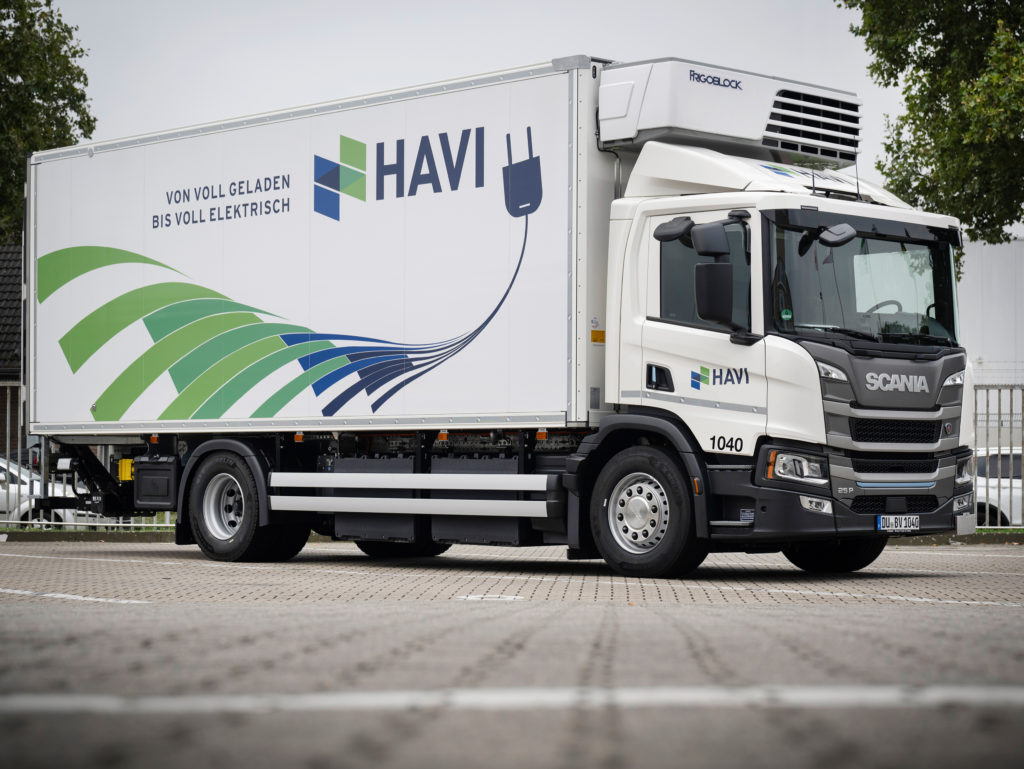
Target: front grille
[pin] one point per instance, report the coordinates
(895, 465)
(876, 505)
(894, 430)
(813, 125)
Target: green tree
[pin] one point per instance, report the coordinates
(42, 97)
(959, 147)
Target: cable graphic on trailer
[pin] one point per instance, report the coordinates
(217, 350)
(376, 368)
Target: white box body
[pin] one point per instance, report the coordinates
(347, 265)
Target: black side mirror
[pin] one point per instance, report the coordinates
(710, 239)
(673, 230)
(712, 283)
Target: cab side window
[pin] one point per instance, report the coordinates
(678, 300)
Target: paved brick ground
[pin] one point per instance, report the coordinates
(224, 656)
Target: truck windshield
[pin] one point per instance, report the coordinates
(892, 283)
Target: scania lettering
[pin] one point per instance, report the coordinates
(901, 382)
(581, 303)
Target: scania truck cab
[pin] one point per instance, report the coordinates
(808, 343)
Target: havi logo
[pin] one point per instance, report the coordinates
(434, 155)
(347, 176)
(718, 376)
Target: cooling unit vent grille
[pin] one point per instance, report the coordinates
(813, 125)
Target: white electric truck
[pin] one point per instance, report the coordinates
(629, 308)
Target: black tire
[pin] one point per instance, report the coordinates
(42, 519)
(284, 542)
(401, 549)
(224, 512)
(641, 516)
(994, 517)
(835, 556)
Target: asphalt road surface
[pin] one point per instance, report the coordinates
(124, 655)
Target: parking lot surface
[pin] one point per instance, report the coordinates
(151, 655)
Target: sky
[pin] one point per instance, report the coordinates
(153, 65)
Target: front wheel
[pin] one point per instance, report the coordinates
(835, 557)
(641, 516)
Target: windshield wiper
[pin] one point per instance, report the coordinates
(905, 336)
(855, 333)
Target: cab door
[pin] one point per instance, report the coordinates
(709, 373)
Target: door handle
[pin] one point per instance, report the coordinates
(659, 378)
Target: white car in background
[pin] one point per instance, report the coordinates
(18, 486)
(997, 493)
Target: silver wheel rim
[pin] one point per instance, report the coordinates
(223, 506)
(638, 513)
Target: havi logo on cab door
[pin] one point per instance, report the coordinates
(718, 376)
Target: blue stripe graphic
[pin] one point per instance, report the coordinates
(378, 362)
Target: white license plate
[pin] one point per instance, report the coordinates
(898, 523)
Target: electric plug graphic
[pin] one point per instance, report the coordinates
(523, 190)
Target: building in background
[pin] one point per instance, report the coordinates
(991, 320)
(991, 316)
(990, 329)
(10, 347)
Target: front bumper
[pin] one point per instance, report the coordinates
(746, 513)
(942, 519)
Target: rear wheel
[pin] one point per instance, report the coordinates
(835, 557)
(224, 513)
(641, 516)
(401, 549)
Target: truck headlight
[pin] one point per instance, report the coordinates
(827, 371)
(954, 380)
(787, 466)
(961, 503)
(964, 471)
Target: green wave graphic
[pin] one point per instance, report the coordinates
(57, 268)
(239, 385)
(214, 349)
(284, 396)
(207, 383)
(144, 370)
(100, 326)
(175, 316)
(184, 372)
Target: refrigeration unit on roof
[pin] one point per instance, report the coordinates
(736, 112)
